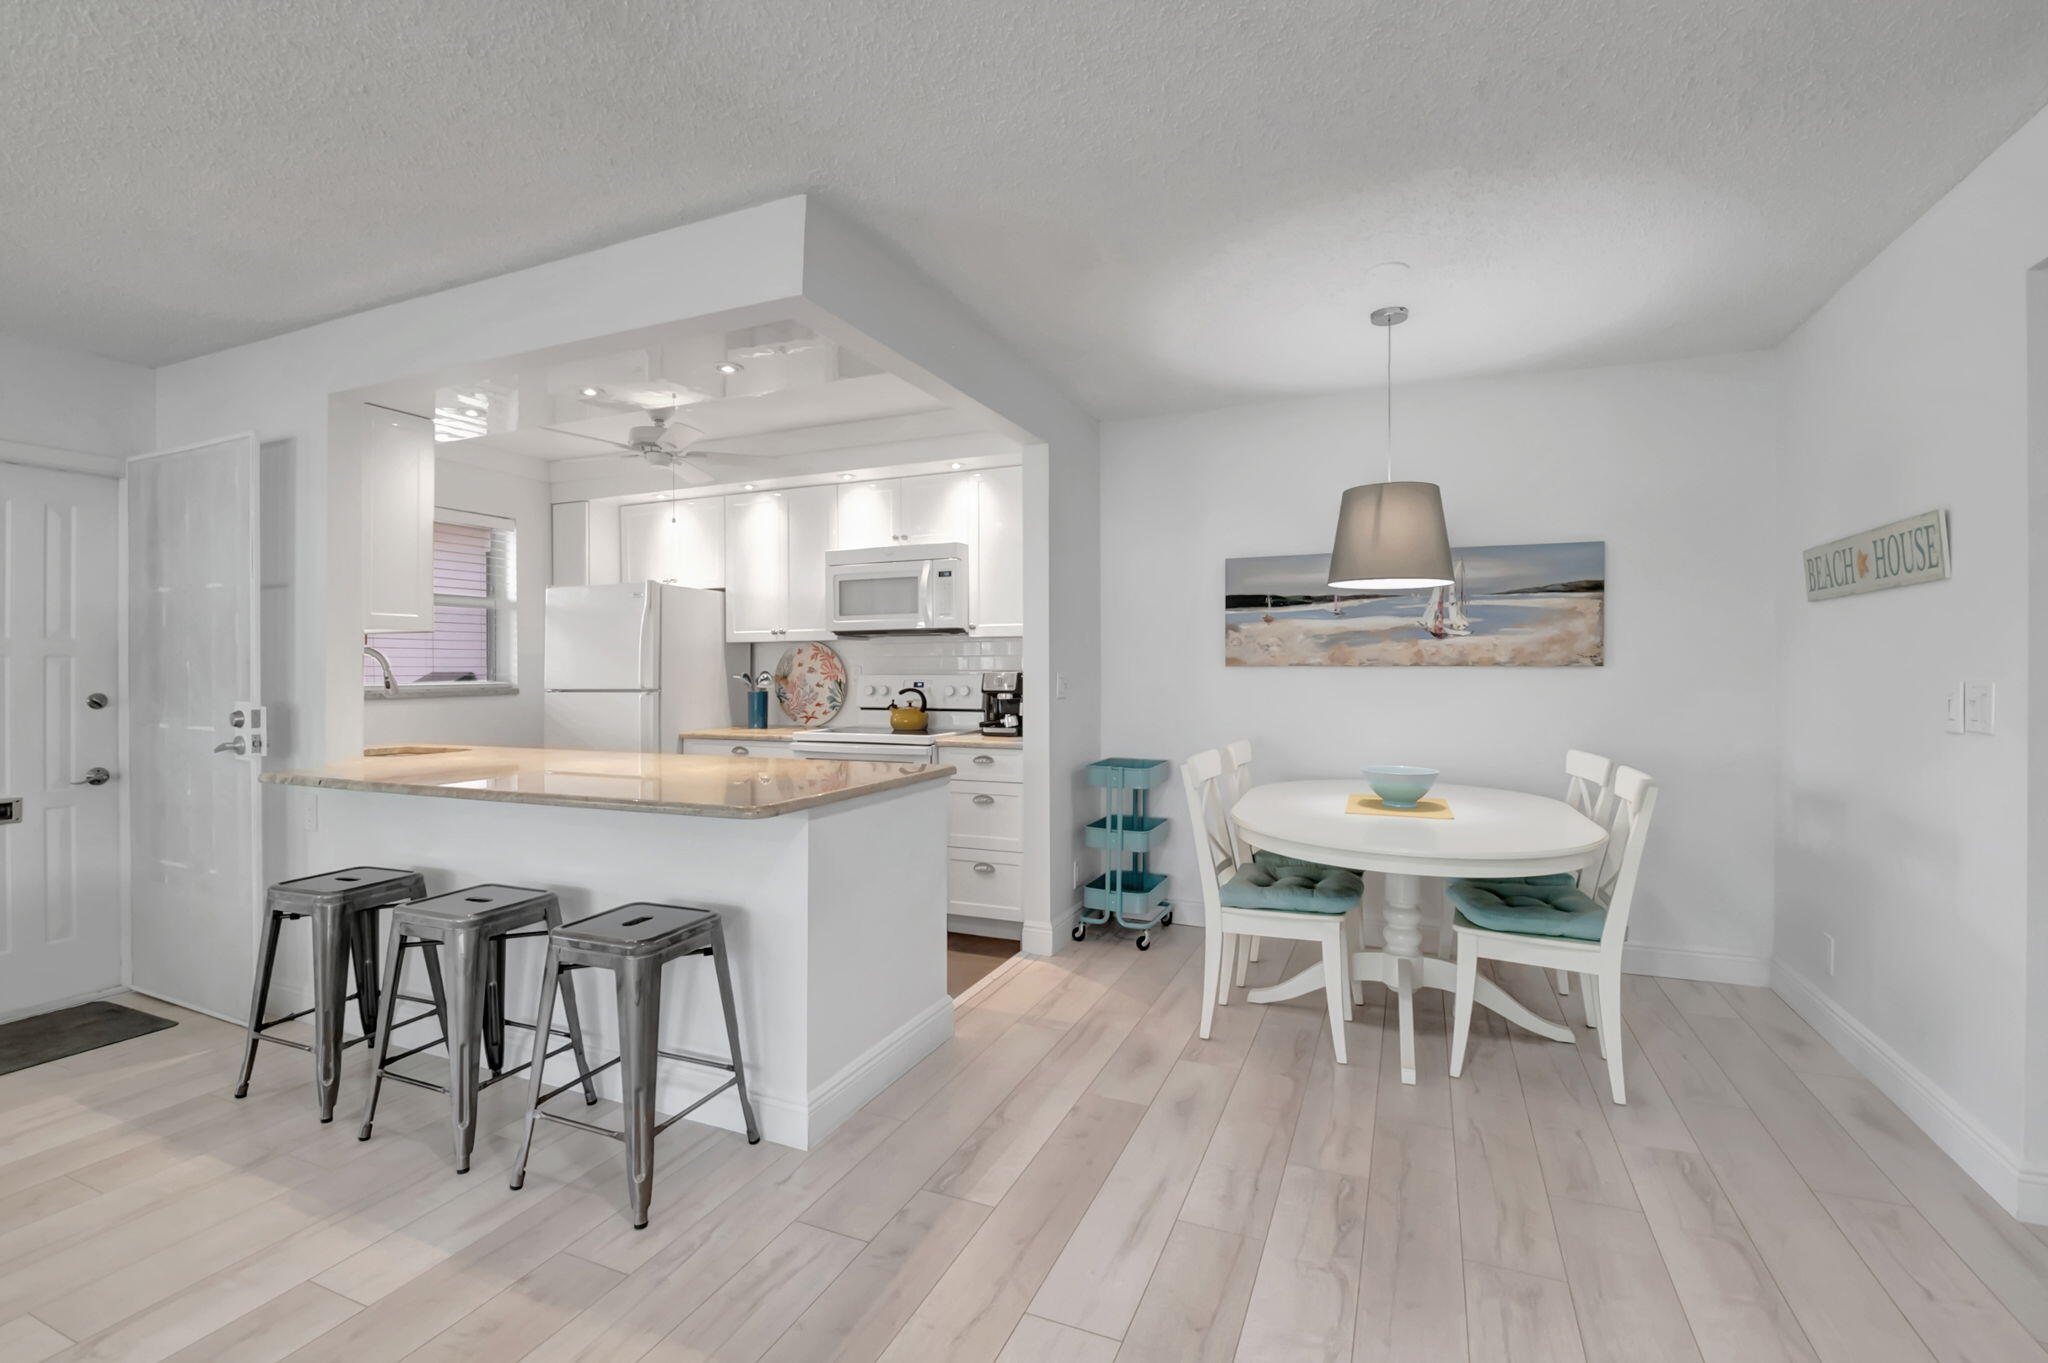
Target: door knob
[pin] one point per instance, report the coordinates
(95, 776)
(238, 745)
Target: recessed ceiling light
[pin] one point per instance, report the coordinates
(730, 368)
(590, 392)
(845, 477)
(957, 464)
(746, 487)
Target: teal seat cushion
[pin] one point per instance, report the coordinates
(1558, 878)
(1530, 908)
(1297, 887)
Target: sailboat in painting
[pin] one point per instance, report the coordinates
(1444, 616)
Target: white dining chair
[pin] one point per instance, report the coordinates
(1242, 897)
(1561, 927)
(1589, 779)
(1237, 779)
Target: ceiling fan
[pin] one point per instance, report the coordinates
(671, 447)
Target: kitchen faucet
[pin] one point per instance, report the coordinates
(384, 665)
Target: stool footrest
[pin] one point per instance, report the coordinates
(659, 1127)
(703, 1060)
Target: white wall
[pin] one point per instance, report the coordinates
(63, 400)
(1670, 464)
(513, 487)
(1908, 845)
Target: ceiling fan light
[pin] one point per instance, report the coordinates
(1391, 537)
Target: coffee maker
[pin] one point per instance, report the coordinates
(1002, 704)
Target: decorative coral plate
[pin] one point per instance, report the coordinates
(810, 684)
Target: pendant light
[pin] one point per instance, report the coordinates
(1391, 536)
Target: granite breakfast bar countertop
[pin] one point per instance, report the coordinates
(718, 787)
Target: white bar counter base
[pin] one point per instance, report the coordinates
(830, 876)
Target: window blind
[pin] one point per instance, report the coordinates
(472, 613)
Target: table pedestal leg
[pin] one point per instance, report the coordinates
(1403, 938)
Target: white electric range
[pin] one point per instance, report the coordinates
(862, 732)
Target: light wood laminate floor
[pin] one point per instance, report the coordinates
(1073, 1177)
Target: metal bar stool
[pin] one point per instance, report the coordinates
(343, 908)
(634, 943)
(472, 927)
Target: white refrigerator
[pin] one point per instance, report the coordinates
(629, 666)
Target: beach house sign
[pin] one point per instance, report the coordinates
(1901, 554)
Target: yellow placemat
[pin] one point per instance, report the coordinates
(1373, 804)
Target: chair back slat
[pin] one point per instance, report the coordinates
(1237, 772)
(1203, 777)
(1635, 800)
(1589, 788)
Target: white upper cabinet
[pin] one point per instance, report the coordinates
(933, 509)
(937, 509)
(998, 539)
(681, 542)
(807, 530)
(756, 568)
(398, 521)
(866, 514)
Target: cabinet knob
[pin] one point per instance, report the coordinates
(984, 799)
(739, 751)
(984, 761)
(982, 868)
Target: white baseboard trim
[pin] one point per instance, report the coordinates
(1049, 939)
(786, 1119)
(1996, 1168)
(1695, 963)
(37, 1010)
(846, 1092)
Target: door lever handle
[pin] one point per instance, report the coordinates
(95, 776)
(236, 745)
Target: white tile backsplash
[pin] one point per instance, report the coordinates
(900, 656)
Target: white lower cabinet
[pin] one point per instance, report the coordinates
(985, 834)
(983, 884)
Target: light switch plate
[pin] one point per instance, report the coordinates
(1955, 708)
(1980, 707)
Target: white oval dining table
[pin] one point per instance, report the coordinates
(1491, 833)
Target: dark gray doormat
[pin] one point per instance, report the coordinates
(69, 1031)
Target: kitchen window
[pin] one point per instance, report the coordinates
(471, 650)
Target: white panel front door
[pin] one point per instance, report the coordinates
(60, 875)
(195, 870)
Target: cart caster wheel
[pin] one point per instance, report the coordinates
(1166, 921)
(1144, 941)
(1079, 932)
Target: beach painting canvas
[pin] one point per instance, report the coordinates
(1512, 605)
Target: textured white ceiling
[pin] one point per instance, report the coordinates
(1166, 205)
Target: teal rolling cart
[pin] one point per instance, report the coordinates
(1129, 893)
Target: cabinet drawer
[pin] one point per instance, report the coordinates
(735, 747)
(985, 885)
(985, 815)
(984, 764)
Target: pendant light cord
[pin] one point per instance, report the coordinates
(1390, 404)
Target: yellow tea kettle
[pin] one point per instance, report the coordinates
(908, 719)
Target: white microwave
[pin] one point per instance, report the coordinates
(898, 588)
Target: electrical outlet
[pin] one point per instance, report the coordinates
(311, 817)
(1955, 708)
(1059, 685)
(1078, 880)
(1827, 941)
(1980, 707)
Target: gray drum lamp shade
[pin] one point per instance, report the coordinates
(1391, 537)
